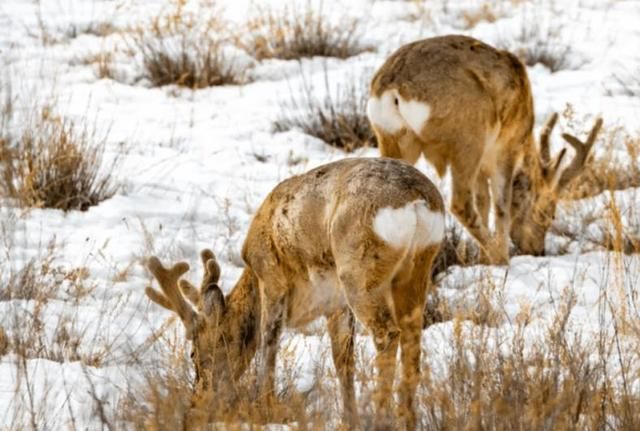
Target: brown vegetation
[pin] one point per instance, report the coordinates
(52, 163)
(294, 32)
(184, 48)
(336, 115)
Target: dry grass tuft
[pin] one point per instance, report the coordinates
(163, 402)
(294, 32)
(169, 399)
(183, 48)
(102, 63)
(337, 116)
(485, 13)
(54, 164)
(27, 293)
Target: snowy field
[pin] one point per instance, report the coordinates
(192, 166)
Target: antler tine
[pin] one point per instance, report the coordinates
(545, 153)
(206, 255)
(168, 281)
(158, 298)
(582, 153)
(211, 275)
(211, 267)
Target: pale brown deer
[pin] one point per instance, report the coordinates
(354, 238)
(468, 106)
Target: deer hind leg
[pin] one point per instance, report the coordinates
(341, 327)
(365, 269)
(369, 298)
(271, 321)
(409, 290)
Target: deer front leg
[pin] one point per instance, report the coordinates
(501, 189)
(341, 330)
(464, 208)
(271, 326)
(483, 200)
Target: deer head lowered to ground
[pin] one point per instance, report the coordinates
(354, 238)
(467, 106)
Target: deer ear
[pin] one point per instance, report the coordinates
(213, 303)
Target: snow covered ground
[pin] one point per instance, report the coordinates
(195, 165)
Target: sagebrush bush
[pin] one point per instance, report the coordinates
(186, 49)
(337, 115)
(294, 32)
(52, 163)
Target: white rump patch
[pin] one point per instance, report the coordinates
(392, 113)
(413, 225)
(415, 113)
(383, 112)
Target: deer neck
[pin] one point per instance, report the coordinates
(531, 165)
(243, 314)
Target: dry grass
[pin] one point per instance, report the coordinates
(294, 32)
(29, 290)
(184, 48)
(102, 63)
(166, 402)
(485, 13)
(52, 163)
(498, 374)
(559, 381)
(336, 115)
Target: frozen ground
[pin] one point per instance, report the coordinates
(197, 164)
